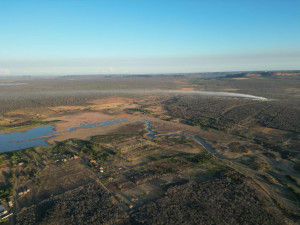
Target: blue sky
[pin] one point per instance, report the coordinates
(100, 37)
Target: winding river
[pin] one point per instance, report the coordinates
(209, 148)
(38, 136)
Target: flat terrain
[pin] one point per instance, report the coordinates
(122, 174)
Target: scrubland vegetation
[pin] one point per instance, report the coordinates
(123, 176)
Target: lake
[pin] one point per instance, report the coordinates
(38, 136)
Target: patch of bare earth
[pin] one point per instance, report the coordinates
(84, 134)
(287, 74)
(253, 75)
(231, 89)
(99, 104)
(75, 120)
(187, 89)
(292, 90)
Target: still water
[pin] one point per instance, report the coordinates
(39, 135)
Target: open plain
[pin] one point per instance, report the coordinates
(164, 149)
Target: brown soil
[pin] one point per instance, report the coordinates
(75, 120)
(253, 75)
(287, 74)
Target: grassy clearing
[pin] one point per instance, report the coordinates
(4, 220)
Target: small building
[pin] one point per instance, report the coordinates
(110, 178)
(10, 204)
(20, 164)
(130, 206)
(20, 193)
(3, 210)
(75, 157)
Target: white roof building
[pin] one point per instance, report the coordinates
(2, 210)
